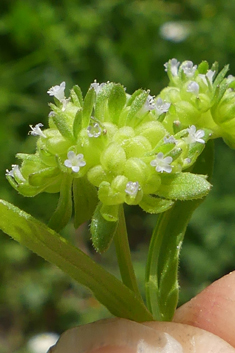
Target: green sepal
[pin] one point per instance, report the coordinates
(78, 123)
(135, 107)
(133, 96)
(183, 186)
(88, 107)
(116, 102)
(76, 96)
(63, 212)
(220, 76)
(203, 67)
(101, 102)
(62, 122)
(85, 200)
(102, 231)
(155, 205)
(43, 176)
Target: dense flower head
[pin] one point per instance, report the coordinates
(117, 148)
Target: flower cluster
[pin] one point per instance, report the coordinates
(110, 147)
(202, 97)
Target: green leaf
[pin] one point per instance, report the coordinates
(116, 102)
(36, 236)
(63, 212)
(76, 96)
(155, 205)
(102, 231)
(88, 107)
(183, 186)
(85, 200)
(162, 287)
(77, 124)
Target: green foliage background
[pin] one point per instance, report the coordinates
(46, 42)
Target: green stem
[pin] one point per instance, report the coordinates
(45, 242)
(124, 255)
(162, 287)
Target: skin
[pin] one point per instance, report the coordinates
(206, 324)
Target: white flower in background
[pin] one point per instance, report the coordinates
(94, 130)
(194, 135)
(174, 31)
(74, 161)
(174, 64)
(132, 187)
(161, 106)
(42, 342)
(36, 130)
(193, 87)
(188, 68)
(162, 164)
(15, 173)
(57, 91)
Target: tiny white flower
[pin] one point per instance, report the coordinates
(75, 162)
(97, 86)
(174, 64)
(57, 91)
(149, 104)
(161, 106)
(94, 130)
(209, 75)
(188, 68)
(193, 87)
(15, 173)
(132, 188)
(194, 135)
(187, 160)
(36, 130)
(162, 164)
(169, 139)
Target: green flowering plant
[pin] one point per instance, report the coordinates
(111, 148)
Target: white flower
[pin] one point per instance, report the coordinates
(208, 76)
(162, 106)
(193, 87)
(194, 135)
(169, 139)
(188, 68)
(74, 161)
(15, 173)
(57, 91)
(132, 187)
(42, 342)
(97, 86)
(149, 104)
(174, 65)
(162, 164)
(36, 130)
(94, 130)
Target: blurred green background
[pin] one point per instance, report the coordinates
(49, 41)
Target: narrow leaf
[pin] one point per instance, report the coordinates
(48, 244)
(85, 200)
(63, 212)
(102, 231)
(155, 205)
